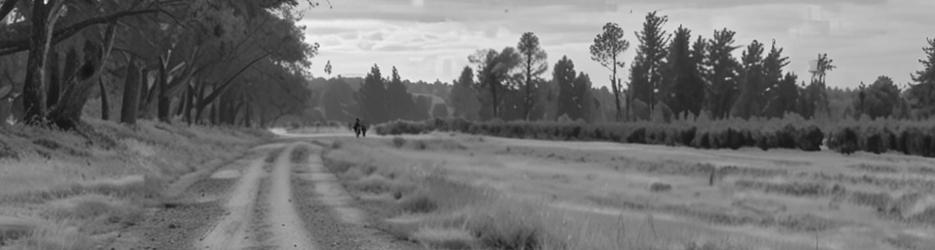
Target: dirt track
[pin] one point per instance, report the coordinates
(276, 197)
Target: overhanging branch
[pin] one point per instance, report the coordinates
(13, 46)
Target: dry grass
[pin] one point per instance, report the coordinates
(98, 179)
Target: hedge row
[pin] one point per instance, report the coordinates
(908, 137)
(716, 135)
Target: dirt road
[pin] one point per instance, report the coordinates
(279, 196)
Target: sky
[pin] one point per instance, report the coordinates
(432, 39)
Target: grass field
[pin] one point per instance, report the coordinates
(78, 190)
(459, 191)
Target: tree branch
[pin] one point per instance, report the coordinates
(13, 46)
(6, 8)
(217, 91)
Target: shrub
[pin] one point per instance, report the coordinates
(915, 138)
(399, 142)
(660, 187)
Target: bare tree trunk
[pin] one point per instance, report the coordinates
(33, 96)
(163, 101)
(189, 104)
(55, 78)
(67, 114)
(131, 94)
(105, 104)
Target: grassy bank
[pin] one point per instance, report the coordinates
(74, 190)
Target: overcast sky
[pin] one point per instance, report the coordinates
(431, 39)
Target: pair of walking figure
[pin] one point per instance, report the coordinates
(359, 128)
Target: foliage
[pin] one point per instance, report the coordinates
(722, 134)
(646, 72)
(605, 50)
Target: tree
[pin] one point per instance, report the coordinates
(817, 96)
(533, 64)
(646, 71)
(721, 74)
(495, 72)
(563, 74)
(752, 82)
(880, 99)
(372, 97)
(780, 90)
(922, 94)
(783, 98)
(338, 102)
(606, 50)
(440, 110)
(682, 82)
(463, 98)
(328, 68)
(585, 103)
(400, 104)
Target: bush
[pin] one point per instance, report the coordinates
(399, 142)
(914, 138)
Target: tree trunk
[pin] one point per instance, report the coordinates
(67, 114)
(189, 104)
(56, 78)
(105, 104)
(131, 94)
(163, 101)
(33, 97)
(180, 107)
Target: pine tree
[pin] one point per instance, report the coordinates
(606, 50)
(563, 74)
(721, 73)
(372, 97)
(682, 83)
(752, 82)
(463, 98)
(922, 94)
(646, 72)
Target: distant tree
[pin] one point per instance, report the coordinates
(783, 97)
(422, 104)
(922, 94)
(777, 85)
(563, 74)
(400, 103)
(533, 64)
(682, 82)
(817, 97)
(880, 99)
(646, 71)
(328, 68)
(752, 82)
(338, 102)
(463, 97)
(440, 110)
(495, 72)
(721, 73)
(606, 50)
(371, 96)
(584, 101)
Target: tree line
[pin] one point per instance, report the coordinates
(674, 75)
(202, 61)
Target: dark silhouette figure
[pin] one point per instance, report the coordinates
(359, 128)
